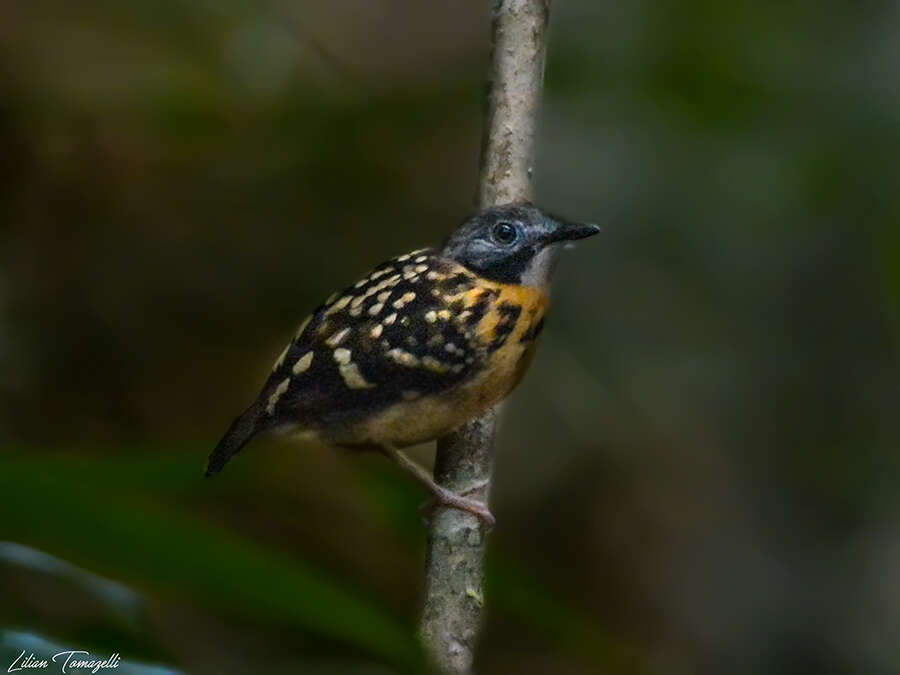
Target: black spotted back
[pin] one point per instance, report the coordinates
(403, 332)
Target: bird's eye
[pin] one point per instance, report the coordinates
(504, 233)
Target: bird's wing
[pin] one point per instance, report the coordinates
(404, 331)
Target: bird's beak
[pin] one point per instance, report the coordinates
(566, 231)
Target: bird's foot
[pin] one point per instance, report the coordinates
(445, 497)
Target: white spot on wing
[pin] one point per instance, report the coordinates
(404, 299)
(337, 338)
(277, 394)
(352, 377)
(339, 305)
(281, 358)
(402, 357)
(303, 363)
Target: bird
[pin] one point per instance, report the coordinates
(424, 343)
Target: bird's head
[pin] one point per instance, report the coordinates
(514, 243)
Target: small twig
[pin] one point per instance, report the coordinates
(454, 570)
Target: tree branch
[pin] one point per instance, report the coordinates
(454, 568)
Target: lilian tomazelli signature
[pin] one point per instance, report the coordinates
(69, 661)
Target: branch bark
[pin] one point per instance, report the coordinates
(454, 568)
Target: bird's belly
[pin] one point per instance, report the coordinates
(419, 421)
(432, 416)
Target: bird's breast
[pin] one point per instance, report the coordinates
(503, 323)
(508, 334)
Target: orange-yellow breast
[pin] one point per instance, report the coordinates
(504, 337)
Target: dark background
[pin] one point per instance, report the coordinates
(700, 473)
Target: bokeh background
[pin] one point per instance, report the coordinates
(700, 473)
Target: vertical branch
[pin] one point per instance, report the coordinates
(454, 568)
(515, 82)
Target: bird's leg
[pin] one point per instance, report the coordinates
(442, 496)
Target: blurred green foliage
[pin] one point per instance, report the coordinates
(698, 475)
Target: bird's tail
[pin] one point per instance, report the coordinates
(238, 435)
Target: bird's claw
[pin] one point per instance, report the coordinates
(447, 498)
